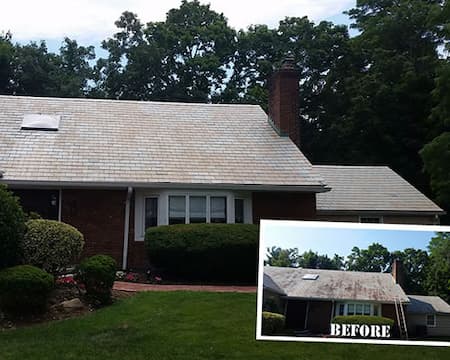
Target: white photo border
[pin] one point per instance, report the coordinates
(334, 225)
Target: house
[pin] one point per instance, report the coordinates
(374, 194)
(311, 298)
(114, 168)
(428, 315)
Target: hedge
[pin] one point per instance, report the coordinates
(220, 252)
(12, 227)
(97, 273)
(363, 320)
(51, 245)
(272, 323)
(24, 289)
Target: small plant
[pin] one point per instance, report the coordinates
(272, 323)
(97, 273)
(24, 289)
(12, 227)
(51, 245)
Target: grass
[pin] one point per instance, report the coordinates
(180, 325)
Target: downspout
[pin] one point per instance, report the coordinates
(126, 230)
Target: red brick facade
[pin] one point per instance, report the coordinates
(283, 205)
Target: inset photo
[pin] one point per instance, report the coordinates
(345, 282)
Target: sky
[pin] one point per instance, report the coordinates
(91, 21)
(331, 240)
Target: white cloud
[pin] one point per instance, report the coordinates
(94, 19)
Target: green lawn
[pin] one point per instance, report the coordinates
(181, 325)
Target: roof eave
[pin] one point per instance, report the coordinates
(438, 211)
(125, 184)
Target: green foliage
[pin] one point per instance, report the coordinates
(376, 258)
(363, 320)
(24, 289)
(272, 323)
(226, 252)
(312, 260)
(277, 256)
(12, 227)
(97, 273)
(51, 245)
(438, 272)
(415, 264)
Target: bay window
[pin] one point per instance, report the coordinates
(177, 210)
(356, 308)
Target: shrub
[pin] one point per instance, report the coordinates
(51, 245)
(12, 227)
(224, 252)
(272, 323)
(363, 320)
(97, 273)
(24, 289)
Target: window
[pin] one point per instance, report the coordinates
(371, 219)
(356, 309)
(218, 209)
(40, 122)
(177, 210)
(151, 212)
(431, 320)
(239, 211)
(197, 209)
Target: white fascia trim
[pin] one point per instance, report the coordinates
(120, 185)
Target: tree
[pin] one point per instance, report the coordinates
(312, 260)
(6, 63)
(376, 258)
(277, 256)
(184, 58)
(438, 273)
(415, 263)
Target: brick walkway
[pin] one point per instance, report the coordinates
(134, 287)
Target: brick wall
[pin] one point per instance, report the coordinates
(283, 206)
(99, 215)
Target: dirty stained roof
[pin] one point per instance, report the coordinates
(420, 304)
(370, 188)
(336, 285)
(137, 142)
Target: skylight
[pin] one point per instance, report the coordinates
(310, 276)
(40, 122)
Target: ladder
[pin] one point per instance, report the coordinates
(401, 320)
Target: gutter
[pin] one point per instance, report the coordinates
(126, 229)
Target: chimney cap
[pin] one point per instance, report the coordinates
(288, 62)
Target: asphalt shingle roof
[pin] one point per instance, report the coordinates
(420, 304)
(370, 188)
(112, 141)
(337, 285)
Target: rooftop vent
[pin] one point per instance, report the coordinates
(40, 122)
(310, 276)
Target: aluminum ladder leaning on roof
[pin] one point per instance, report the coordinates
(401, 320)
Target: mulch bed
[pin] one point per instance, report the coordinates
(55, 312)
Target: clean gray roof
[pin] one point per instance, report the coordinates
(136, 142)
(420, 304)
(337, 285)
(370, 188)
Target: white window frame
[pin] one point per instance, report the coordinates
(163, 205)
(379, 217)
(354, 303)
(434, 320)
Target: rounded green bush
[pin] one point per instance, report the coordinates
(51, 245)
(24, 289)
(363, 320)
(220, 252)
(97, 273)
(272, 323)
(12, 227)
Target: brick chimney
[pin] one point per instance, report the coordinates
(398, 272)
(283, 100)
